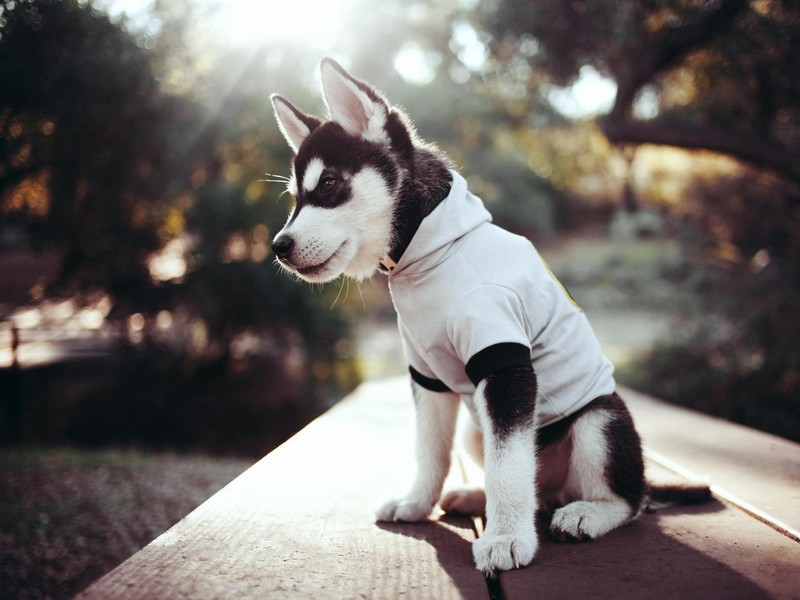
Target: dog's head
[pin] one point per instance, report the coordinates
(346, 175)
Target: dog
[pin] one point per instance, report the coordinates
(483, 322)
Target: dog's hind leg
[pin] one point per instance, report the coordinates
(436, 414)
(605, 485)
(470, 501)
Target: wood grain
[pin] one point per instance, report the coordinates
(299, 523)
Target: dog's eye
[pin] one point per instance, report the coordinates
(328, 184)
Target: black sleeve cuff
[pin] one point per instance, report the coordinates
(496, 358)
(433, 385)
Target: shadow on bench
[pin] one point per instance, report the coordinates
(299, 523)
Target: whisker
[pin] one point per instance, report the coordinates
(360, 293)
(340, 281)
(279, 196)
(281, 177)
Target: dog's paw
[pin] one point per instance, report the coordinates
(583, 521)
(502, 552)
(470, 502)
(405, 509)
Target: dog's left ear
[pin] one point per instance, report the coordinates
(294, 124)
(353, 104)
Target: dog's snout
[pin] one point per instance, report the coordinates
(282, 245)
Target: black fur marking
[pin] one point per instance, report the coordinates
(426, 184)
(342, 154)
(511, 400)
(426, 180)
(424, 168)
(625, 467)
(554, 433)
(323, 199)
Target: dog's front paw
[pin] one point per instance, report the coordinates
(408, 510)
(501, 552)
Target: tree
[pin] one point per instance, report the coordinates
(110, 159)
(722, 76)
(91, 148)
(725, 73)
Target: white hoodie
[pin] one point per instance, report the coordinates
(472, 297)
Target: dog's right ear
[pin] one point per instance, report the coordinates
(354, 104)
(294, 124)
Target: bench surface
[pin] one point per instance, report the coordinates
(299, 523)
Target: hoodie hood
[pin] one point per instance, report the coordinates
(458, 214)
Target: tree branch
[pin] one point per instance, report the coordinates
(750, 148)
(667, 47)
(663, 51)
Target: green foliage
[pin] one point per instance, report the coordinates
(113, 148)
(735, 351)
(116, 143)
(84, 123)
(720, 75)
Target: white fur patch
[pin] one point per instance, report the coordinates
(436, 422)
(584, 519)
(292, 185)
(596, 509)
(349, 238)
(312, 174)
(587, 479)
(509, 540)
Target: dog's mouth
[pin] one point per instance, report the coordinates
(320, 268)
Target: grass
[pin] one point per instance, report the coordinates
(68, 516)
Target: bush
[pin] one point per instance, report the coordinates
(160, 398)
(734, 352)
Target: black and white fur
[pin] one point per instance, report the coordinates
(363, 182)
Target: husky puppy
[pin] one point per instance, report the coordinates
(482, 320)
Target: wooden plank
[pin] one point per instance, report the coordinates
(700, 552)
(676, 553)
(299, 523)
(708, 551)
(761, 469)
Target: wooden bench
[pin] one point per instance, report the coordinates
(299, 523)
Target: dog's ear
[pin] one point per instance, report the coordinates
(353, 104)
(294, 124)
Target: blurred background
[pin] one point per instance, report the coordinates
(150, 349)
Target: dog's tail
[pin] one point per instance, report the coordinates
(660, 496)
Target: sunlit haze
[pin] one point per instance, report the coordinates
(314, 23)
(590, 95)
(320, 25)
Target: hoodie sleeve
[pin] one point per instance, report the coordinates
(489, 331)
(421, 374)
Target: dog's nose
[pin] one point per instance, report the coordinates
(282, 246)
